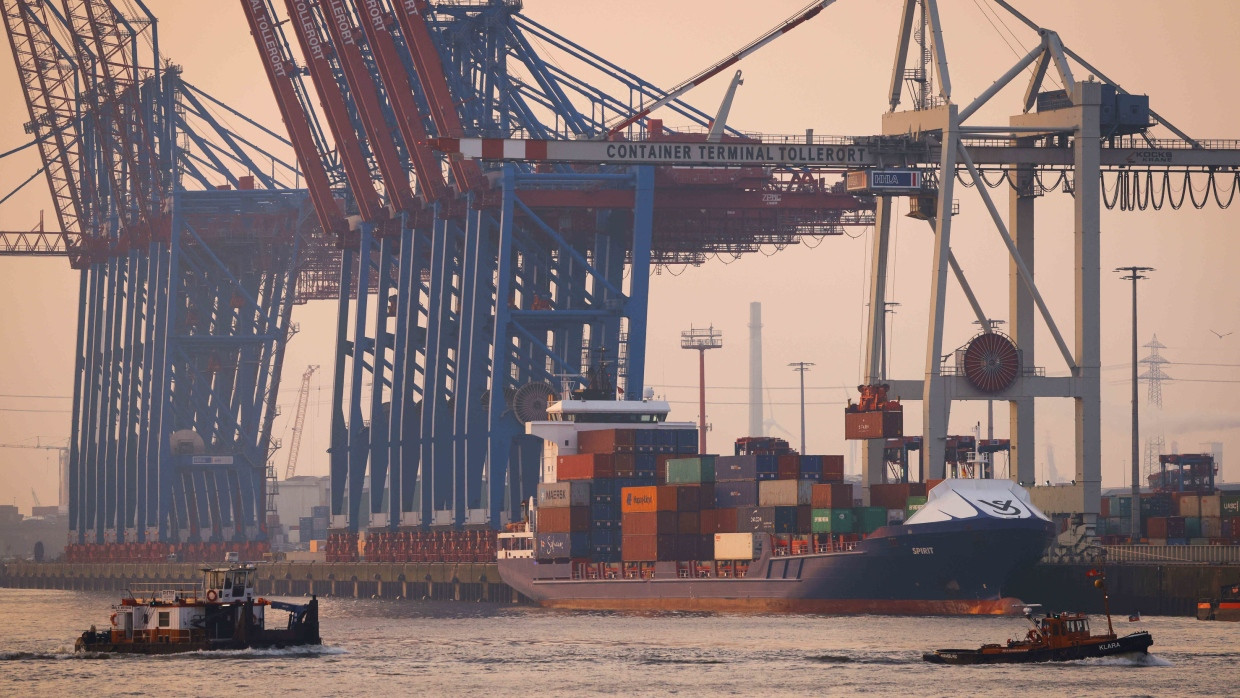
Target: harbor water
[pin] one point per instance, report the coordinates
(377, 647)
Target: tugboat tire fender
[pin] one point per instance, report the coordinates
(211, 595)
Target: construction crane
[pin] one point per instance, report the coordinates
(299, 422)
(62, 467)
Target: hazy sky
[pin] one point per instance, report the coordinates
(830, 75)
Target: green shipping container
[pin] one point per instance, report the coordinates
(1231, 505)
(1121, 506)
(1192, 527)
(869, 519)
(690, 471)
(831, 521)
(914, 505)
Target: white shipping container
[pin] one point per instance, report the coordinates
(785, 493)
(570, 493)
(1211, 506)
(895, 516)
(735, 546)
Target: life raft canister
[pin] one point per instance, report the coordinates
(211, 595)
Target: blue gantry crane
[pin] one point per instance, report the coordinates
(489, 284)
(190, 242)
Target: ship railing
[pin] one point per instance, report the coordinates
(163, 591)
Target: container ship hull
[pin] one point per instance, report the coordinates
(942, 568)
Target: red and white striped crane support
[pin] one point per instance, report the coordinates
(796, 20)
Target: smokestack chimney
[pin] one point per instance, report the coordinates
(755, 371)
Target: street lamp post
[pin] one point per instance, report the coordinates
(801, 367)
(1134, 274)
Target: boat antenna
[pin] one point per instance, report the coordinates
(1100, 581)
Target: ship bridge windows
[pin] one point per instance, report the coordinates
(165, 619)
(621, 418)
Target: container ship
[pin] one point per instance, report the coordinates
(628, 517)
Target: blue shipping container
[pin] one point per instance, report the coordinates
(605, 536)
(730, 495)
(687, 438)
(606, 511)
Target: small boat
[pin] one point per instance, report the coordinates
(221, 613)
(1226, 606)
(1059, 637)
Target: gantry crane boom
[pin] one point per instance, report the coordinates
(47, 71)
(335, 107)
(676, 92)
(299, 422)
(399, 87)
(280, 71)
(345, 41)
(412, 14)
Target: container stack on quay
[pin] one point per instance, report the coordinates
(637, 508)
(1174, 518)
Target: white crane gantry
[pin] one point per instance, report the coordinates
(1063, 135)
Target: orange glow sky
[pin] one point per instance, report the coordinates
(830, 75)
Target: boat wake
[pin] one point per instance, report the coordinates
(266, 653)
(1135, 659)
(863, 659)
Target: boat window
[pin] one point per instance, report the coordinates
(228, 581)
(164, 619)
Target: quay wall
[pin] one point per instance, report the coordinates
(1151, 589)
(418, 581)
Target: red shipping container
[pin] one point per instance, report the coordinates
(725, 520)
(832, 469)
(890, 495)
(805, 519)
(708, 521)
(1156, 527)
(788, 466)
(1106, 508)
(606, 441)
(649, 523)
(688, 497)
(874, 425)
(647, 548)
(930, 484)
(688, 547)
(626, 465)
(564, 520)
(832, 496)
(688, 523)
(660, 466)
(585, 466)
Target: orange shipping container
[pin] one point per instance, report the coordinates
(657, 498)
(873, 425)
(606, 441)
(832, 496)
(585, 466)
(564, 520)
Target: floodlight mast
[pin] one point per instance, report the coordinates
(701, 340)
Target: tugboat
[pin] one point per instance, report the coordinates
(1226, 606)
(1060, 637)
(221, 613)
